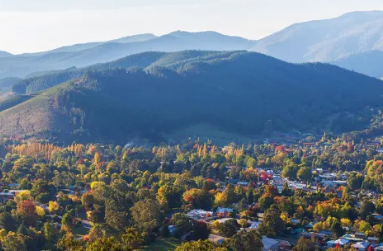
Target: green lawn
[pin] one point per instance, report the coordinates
(163, 245)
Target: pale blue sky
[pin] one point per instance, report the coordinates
(37, 25)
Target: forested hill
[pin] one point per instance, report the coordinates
(244, 93)
(173, 60)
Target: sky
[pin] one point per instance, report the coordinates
(40, 25)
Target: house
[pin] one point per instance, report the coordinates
(377, 217)
(361, 246)
(223, 220)
(199, 214)
(373, 240)
(352, 238)
(340, 242)
(270, 244)
(318, 236)
(309, 225)
(13, 185)
(360, 235)
(326, 233)
(233, 181)
(224, 211)
(295, 221)
(172, 229)
(216, 239)
(253, 224)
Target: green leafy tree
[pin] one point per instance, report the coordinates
(146, 215)
(246, 241)
(7, 221)
(14, 242)
(50, 232)
(304, 244)
(229, 228)
(199, 246)
(272, 225)
(183, 223)
(304, 174)
(132, 239)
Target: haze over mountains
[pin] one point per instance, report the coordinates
(92, 53)
(341, 41)
(326, 40)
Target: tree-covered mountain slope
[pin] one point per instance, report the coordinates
(173, 60)
(244, 93)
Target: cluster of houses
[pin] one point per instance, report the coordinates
(359, 241)
(222, 215)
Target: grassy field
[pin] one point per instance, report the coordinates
(163, 245)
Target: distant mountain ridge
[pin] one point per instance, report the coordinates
(346, 41)
(326, 40)
(369, 63)
(88, 54)
(5, 54)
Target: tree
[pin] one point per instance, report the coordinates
(106, 244)
(14, 242)
(304, 174)
(199, 246)
(229, 228)
(346, 222)
(355, 181)
(246, 241)
(27, 211)
(40, 211)
(290, 172)
(146, 215)
(116, 215)
(7, 221)
(132, 239)
(272, 225)
(366, 209)
(265, 201)
(198, 198)
(183, 223)
(304, 244)
(53, 206)
(50, 232)
(200, 230)
(68, 243)
(66, 222)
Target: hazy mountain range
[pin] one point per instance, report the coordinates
(326, 40)
(87, 54)
(341, 41)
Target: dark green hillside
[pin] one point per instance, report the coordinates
(173, 60)
(245, 93)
